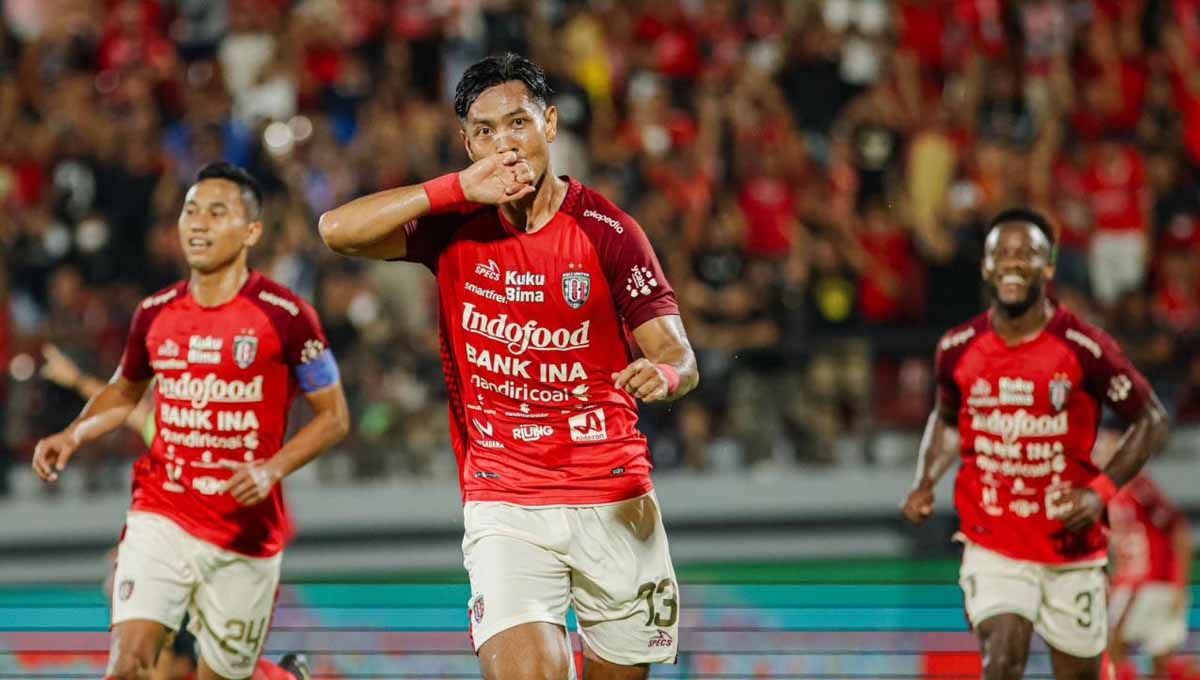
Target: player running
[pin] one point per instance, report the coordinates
(227, 349)
(1024, 384)
(555, 318)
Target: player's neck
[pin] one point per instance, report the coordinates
(215, 288)
(535, 211)
(1026, 325)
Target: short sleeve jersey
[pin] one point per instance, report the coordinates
(1028, 415)
(225, 378)
(533, 326)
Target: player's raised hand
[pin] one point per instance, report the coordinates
(59, 369)
(644, 380)
(252, 484)
(919, 505)
(496, 179)
(51, 454)
(1079, 508)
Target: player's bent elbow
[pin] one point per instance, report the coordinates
(332, 233)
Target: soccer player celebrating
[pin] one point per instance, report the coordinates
(1024, 384)
(228, 349)
(555, 319)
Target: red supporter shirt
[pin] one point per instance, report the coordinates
(1143, 521)
(532, 328)
(1027, 415)
(225, 379)
(1118, 193)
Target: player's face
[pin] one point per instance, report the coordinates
(1016, 265)
(214, 227)
(503, 119)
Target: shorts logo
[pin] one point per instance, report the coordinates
(576, 287)
(1060, 391)
(245, 348)
(477, 610)
(125, 590)
(661, 639)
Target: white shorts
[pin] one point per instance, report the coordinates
(162, 572)
(1065, 603)
(1144, 616)
(610, 561)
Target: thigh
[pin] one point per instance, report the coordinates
(993, 584)
(515, 577)
(623, 583)
(529, 651)
(1073, 618)
(151, 581)
(232, 609)
(1069, 667)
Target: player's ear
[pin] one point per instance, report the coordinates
(466, 143)
(551, 122)
(254, 232)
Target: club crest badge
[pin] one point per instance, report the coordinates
(576, 286)
(1060, 391)
(245, 349)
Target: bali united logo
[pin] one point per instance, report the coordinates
(576, 287)
(1060, 391)
(477, 610)
(125, 590)
(245, 348)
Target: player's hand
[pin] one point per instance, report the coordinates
(59, 369)
(643, 379)
(252, 484)
(919, 505)
(1080, 508)
(51, 454)
(496, 179)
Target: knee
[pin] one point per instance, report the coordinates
(1002, 662)
(130, 666)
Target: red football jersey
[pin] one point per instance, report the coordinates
(226, 377)
(1143, 521)
(1028, 415)
(533, 326)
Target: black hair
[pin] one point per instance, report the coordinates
(497, 70)
(251, 190)
(1024, 215)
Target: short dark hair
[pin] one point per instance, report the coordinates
(497, 70)
(1024, 215)
(251, 190)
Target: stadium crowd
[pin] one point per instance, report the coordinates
(813, 173)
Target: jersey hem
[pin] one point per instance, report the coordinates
(1098, 558)
(191, 530)
(568, 500)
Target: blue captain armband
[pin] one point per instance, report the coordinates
(318, 373)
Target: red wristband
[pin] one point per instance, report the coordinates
(445, 193)
(671, 375)
(1104, 487)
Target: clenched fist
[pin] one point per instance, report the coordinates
(919, 505)
(644, 380)
(496, 179)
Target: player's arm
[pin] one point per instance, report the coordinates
(667, 369)
(375, 226)
(936, 455)
(62, 371)
(330, 422)
(105, 412)
(1118, 385)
